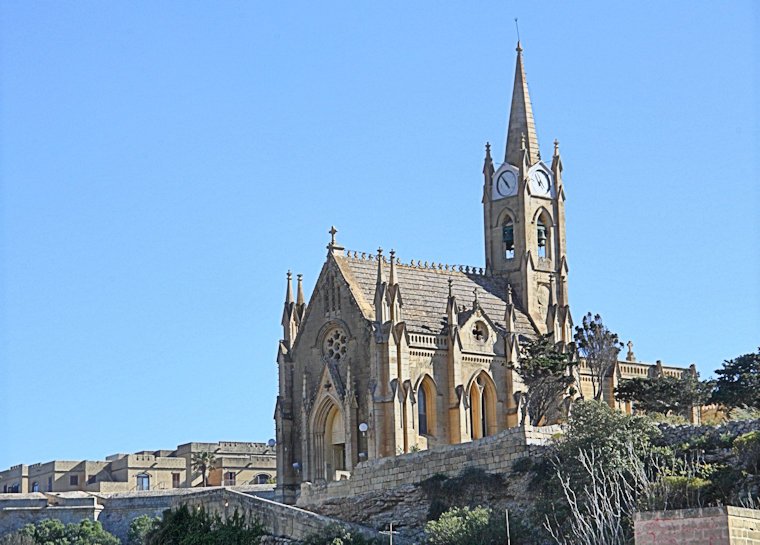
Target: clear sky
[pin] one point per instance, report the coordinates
(163, 164)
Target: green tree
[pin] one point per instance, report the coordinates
(203, 462)
(599, 347)
(54, 532)
(664, 394)
(545, 370)
(462, 525)
(140, 527)
(738, 382)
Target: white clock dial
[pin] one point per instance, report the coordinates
(506, 183)
(540, 183)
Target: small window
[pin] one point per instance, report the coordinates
(143, 481)
(5, 488)
(229, 478)
(261, 478)
(92, 479)
(74, 480)
(50, 484)
(175, 480)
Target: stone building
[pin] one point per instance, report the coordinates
(237, 463)
(391, 357)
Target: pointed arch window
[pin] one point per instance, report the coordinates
(482, 407)
(422, 411)
(508, 238)
(543, 235)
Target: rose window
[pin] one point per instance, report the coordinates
(335, 345)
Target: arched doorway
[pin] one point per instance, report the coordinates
(329, 441)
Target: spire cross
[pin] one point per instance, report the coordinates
(517, 28)
(332, 232)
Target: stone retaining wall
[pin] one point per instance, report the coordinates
(494, 454)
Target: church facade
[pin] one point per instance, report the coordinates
(390, 357)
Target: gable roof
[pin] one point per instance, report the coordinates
(426, 291)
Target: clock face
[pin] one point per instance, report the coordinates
(540, 183)
(506, 183)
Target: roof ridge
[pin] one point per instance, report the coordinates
(431, 266)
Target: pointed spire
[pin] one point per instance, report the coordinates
(521, 119)
(289, 291)
(392, 276)
(300, 298)
(488, 169)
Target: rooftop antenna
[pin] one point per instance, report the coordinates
(517, 27)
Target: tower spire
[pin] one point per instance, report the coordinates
(521, 119)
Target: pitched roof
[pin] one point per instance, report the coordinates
(425, 293)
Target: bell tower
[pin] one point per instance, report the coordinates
(524, 218)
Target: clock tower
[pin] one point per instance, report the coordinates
(524, 219)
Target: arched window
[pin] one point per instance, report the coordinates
(508, 237)
(422, 410)
(544, 235)
(261, 478)
(541, 234)
(35, 486)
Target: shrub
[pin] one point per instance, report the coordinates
(522, 465)
(17, 538)
(335, 534)
(747, 447)
(465, 526)
(185, 526)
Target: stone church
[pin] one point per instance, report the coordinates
(390, 357)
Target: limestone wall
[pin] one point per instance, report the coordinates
(494, 454)
(707, 526)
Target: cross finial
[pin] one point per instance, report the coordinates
(488, 148)
(332, 232)
(630, 356)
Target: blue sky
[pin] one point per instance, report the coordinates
(163, 164)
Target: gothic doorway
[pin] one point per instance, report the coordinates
(329, 441)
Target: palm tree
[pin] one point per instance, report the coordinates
(203, 462)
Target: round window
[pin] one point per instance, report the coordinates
(335, 345)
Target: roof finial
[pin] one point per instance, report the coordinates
(556, 148)
(522, 144)
(476, 302)
(509, 294)
(289, 291)
(392, 277)
(379, 266)
(332, 232)
(451, 286)
(630, 356)
(299, 296)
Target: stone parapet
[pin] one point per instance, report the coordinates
(706, 526)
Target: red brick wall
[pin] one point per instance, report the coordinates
(708, 526)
